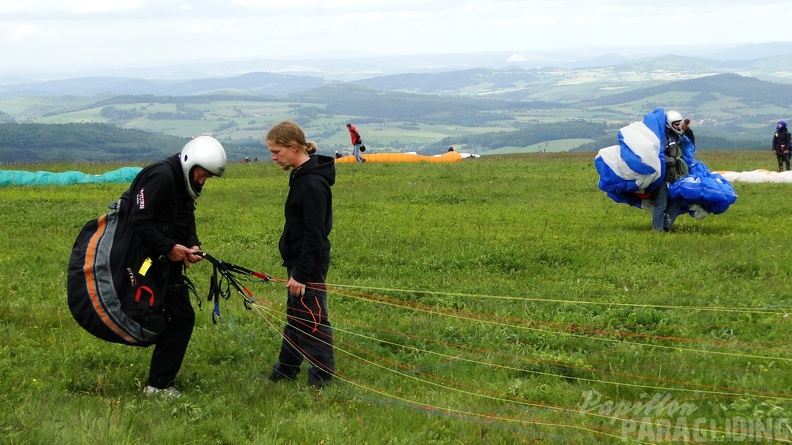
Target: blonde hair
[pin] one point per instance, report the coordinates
(289, 134)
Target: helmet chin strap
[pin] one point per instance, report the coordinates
(196, 187)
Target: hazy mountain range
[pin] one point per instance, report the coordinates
(733, 95)
(426, 74)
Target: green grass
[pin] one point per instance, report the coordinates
(476, 302)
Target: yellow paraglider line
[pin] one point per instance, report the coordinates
(471, 355)
(266, 312)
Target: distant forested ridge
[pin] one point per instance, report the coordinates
(95, 142)
(530, 135)
(85, 142)
(753, 91)
(602, 134)
(485, 111)
(355, 100)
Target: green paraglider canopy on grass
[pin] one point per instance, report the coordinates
(18, 177)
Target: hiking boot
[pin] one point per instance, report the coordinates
(667, 224)
(318, 378)
(278, 374)
(170, 392)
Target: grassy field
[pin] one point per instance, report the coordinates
(498, 300)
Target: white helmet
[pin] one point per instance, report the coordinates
(671, 117)
(205, 152)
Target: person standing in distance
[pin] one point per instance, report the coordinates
(305, 249)
(163, 218)
(357, 141)
(687, 131)
(781, 142)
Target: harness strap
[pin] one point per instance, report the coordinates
(224, 278)
(147, 289)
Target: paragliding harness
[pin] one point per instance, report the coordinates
(680, 168)
(225, 278)
(116, 290)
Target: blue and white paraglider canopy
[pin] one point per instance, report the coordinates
(631, 171)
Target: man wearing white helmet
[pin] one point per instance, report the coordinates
(665, 210)
(162, 215)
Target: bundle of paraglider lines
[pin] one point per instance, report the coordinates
(446, 366)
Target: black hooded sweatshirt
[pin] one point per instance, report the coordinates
(304, 244)
(163, 213)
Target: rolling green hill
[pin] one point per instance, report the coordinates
(478, 110)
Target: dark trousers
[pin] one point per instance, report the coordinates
(308, 334)
(170, 348)
(783, 160)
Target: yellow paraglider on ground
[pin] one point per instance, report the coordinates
(450, 156)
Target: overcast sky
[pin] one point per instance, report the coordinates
(36, 34)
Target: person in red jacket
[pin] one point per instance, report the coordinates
(357, 141)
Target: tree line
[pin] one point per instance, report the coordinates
(601, 133)
(87, 142)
